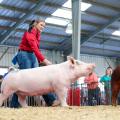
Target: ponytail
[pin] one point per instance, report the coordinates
(31, 25)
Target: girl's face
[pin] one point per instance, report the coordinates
(40, 26)
(109, 71)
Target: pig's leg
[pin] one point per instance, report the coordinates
(115, 91)
(62, 95)
(5, 94)
(22, 100)
(2, 98)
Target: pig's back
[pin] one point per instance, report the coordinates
(39, 75)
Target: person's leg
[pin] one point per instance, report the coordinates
(97, 95)
(107, 96)
(89, 97)
(34, 61)
(93, 100)
(49, 98)
(14, 101)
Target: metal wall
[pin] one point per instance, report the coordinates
(101, 63)
(54, 56)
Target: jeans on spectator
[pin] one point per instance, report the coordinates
(108, 95)
(94, 96)
(28, 60)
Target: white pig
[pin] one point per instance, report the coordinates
(41, 80)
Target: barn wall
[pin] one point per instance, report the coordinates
(5, 61)
(101, 62)
(56, 57)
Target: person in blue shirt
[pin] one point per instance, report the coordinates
(107, 86)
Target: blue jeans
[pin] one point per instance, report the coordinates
(28, 60)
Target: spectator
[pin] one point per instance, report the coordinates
(107, 86)
(93, 90)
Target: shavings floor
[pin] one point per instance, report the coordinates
(61, 113)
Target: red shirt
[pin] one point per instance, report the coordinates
(30, 42)
(92, 81)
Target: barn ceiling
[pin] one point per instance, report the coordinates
(100, 24)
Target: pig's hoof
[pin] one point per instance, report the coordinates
(64, 105)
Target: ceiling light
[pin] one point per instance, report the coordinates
(67, 13)
(1, 1)
(117, 33)
(56, 21)
(84, 6)
(63, 13)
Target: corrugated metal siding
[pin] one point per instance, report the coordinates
(54, 56)
(101, 63)
(88, 27)
(4, 22)
(59, 31)
(18, 3)
(9, 13)
(51, 39)
(111, 2)
(94, 18)
(100, 9)
(47, 9)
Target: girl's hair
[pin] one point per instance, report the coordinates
(33, 23)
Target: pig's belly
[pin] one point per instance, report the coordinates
(35, 93)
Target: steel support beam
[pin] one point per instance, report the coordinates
(33, 10)
(76, 28)
(4, 53)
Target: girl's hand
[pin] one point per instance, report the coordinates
(46, 62)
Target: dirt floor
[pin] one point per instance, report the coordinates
(61, 113)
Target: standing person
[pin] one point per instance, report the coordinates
(107, 86)
(29, 56)
(93, 90)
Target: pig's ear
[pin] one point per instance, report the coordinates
(72, 60)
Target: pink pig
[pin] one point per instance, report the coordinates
(41, 80)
